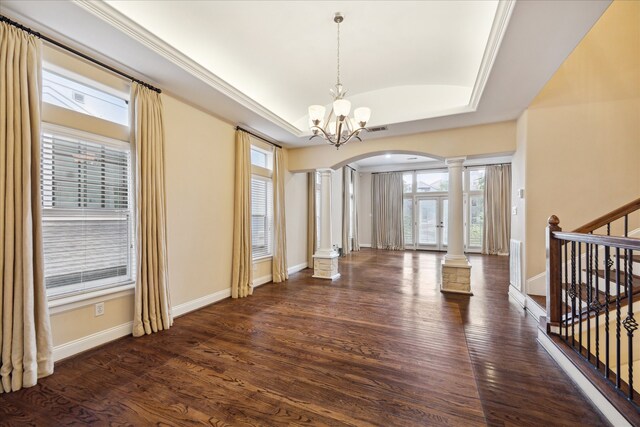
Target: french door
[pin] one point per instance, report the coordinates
(429, 214)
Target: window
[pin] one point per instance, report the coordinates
(261, 200)
(476, 180)
(476, 220)
(82, 98)
(474, 212)
(407, 212)
(407, 181)
(87, 211)
(432, 181)
(261, 216)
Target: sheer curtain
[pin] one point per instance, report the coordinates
(311, 217)
(356, 181)
(387, 211)
(25, 332)
(242, 264)
(346, 210)
(497, 212)
(279, 260)
(152, 311)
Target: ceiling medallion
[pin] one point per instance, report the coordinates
(338, 128)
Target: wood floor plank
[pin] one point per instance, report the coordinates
(379, 346)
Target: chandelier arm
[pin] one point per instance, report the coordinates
(326, 136)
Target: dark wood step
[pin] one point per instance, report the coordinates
(612, 277)
(634, 258)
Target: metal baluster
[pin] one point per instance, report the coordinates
(608, 229)
(626, 226)
(597, 306)
(588, 260)
(566, 293)
(580, 297)
(573, 294)
(607, 277)
(618, 318)
(629, 322)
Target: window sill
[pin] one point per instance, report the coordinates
(263, 259)
(72, 302)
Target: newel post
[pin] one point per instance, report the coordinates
(554, 276)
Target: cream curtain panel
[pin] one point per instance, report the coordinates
(25, 332)
(311, 217)
(346, 210)
(279, 260)
(497, 212)
(387, 230)
(242, 264)
(152, 311)
(356, 182)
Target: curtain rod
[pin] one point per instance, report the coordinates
(258, 136)
(77, 53)
(442, 168)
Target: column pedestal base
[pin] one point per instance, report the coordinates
(326, 266)
(456, 279)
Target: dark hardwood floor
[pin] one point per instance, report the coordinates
(379, 346)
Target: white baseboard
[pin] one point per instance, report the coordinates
(70, 348)
(534, 309)
(365, 245)
(601, 402)
(297, 268)
(261, 280)
(517, 296)
(197, 303)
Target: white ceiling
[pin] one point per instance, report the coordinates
(261, 64)
(405, 60)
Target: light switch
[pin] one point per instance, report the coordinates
(514, 210)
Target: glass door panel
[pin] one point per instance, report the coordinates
(427, 222)
(407, 213)
(444, 221)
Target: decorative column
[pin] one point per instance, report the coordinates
(325, 260)
(456, 270)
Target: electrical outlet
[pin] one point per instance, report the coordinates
(99, 309)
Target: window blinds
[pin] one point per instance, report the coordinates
(261, 216)
(87, 213)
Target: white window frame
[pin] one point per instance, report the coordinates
(414, 195)
(72, 293)
(264, 174)
(467, 208)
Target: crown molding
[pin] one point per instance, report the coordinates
(119, 21)
(498, 30)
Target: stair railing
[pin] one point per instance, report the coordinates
(590, 287)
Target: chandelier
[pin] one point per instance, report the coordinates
(338, 128)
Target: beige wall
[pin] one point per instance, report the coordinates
(518, 168)
(199, 180)
(483, 140)
(583, 132)
(296, 212)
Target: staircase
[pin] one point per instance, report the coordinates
(593, 304)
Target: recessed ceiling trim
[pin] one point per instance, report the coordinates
(498, 29)
(140, 34)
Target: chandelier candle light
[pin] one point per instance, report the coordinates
(338, 128)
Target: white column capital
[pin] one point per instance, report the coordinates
(325, 171)
(455, 161)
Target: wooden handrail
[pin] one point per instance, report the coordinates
(610, 217)
(611, 241)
